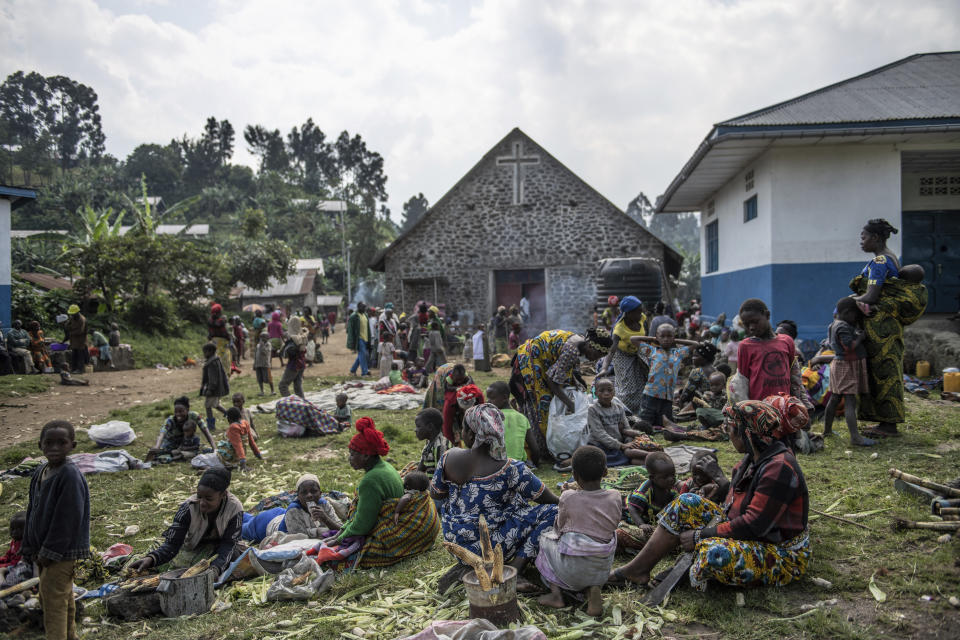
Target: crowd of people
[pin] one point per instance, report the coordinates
(644, 372)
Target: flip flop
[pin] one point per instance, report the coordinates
(865, 442)
(874, 432)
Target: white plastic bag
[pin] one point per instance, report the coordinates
(567, 431)
(290, 584)
(114, 433)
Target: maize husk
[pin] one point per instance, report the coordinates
(198, 568)
(497, 574)
(485, 547)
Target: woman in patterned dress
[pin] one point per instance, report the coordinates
(500, 490)
(544, 365)
(759, 536)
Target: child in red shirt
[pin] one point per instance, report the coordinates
(18, 524)
(233, 451)
(764, 358)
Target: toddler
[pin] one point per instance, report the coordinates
(710, 404)
(516, 428)
(395, 376)
(706, 478)
(17, 525)
(261, 362)
(609, 429)
(647, 500)
(417, 374)
(343, 414)
(387, 349)
(414, 484)
(848, 369)
(190, 445)
(213, 384)
(232, 451)
(577, 554)
(238, 401)
(665, 359)
(57, 532)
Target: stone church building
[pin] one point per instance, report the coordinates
(519, 223)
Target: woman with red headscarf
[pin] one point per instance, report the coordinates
(372, 514)
(219, 335)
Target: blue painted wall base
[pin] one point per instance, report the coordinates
(5, 302)
(804, 293)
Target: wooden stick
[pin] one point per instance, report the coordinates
(949, 511)
(936, 486)
(846, 520)
(17, 588)
(903, 523)
(497, 574)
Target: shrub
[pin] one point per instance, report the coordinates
(153, 314)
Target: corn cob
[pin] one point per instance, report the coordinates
(497, 574)
(198, 568)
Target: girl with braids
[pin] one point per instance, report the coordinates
(548, 363)
(889, 300)
(759, 535)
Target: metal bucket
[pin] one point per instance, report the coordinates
(185, 596)
(499, 604)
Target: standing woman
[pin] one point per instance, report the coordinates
(218, 334)
(544, 365)
(76, 329)
(629, 369)
(889, 303)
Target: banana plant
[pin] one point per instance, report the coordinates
(146, 217)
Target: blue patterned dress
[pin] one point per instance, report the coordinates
(502, 498)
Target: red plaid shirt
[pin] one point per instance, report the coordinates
(768, 499)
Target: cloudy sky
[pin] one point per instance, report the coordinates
(621, 91)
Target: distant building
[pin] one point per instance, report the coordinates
(45, 281)
(783, 192)
(10, 198)
(299, 290)
(192, 231)
(518, 224)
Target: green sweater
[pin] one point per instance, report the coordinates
(379, 484)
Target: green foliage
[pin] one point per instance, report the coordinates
(256, 262)
(413, 210)
(160, 166)
(152, 314)
(25, 303)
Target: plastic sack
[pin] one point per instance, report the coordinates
(567, 431)
(206, 461)
(290, 429)
(114, 433)
(302, 581)
(288, 550)
(475, 629)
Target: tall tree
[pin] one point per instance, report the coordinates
(268, 146)
(203, 157)
(413, 210)
(311, 157)
(160, 165)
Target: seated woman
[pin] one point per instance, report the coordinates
(759, 535)
(207, 523)
(297, 418)
(386, 540)
(310, 514)
(499, 489)
(171, 433)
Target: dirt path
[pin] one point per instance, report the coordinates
(21, 418)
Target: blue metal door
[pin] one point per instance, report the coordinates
(932, 240)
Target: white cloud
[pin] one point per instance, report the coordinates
(621, 92)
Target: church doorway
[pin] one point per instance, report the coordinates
(512, 287)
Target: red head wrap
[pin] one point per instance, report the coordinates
(469, 395)
(215, 308)
(613, 301)
(368, 440)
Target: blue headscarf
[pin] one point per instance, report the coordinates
(628, 304)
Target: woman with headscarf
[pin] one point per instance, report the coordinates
(76, 335)
(310, 514)
(889, 302)
(275, 333)
(386, 540)
(759, 535)
(219, 334)
(442, 395)
(495, 487)
(629, 368)
(547, 363)
(207, 523)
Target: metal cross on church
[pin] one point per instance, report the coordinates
(518, 160)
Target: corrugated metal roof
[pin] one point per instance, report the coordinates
(311, 263)
(46, 281)
(923, 86)
(299, 283)
(329, 301)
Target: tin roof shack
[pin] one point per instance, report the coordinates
(297, 291)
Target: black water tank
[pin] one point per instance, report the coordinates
(640, 277)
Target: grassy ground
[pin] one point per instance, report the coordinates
(905, 565)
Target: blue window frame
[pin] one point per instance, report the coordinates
(713, 247)
(750, 208)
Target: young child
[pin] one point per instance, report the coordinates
(387, 350)
(213, 384)
(261, 362)
(848, 369)
(481, 352)
(513, 340)
(665, 360)
(577, 554)
(296, 354)
(438, 355)
(706, 479)
(38, 347)
(324, 329)
(58, 527)
(516, 428)
(414, 483)
(395, 376)
(18, 524)
(114, 337)
(343, 414)
(764, 358)
(232, 451)
(238, 400)
(609, 429)
(429, 428)
(647, 500)
(190, 445)
(417, 374)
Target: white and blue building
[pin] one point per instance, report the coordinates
(10, 198)
(784, 191)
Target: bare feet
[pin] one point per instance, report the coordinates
(619, 577)
(553, 599)
(525, 586)
(594, 602)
